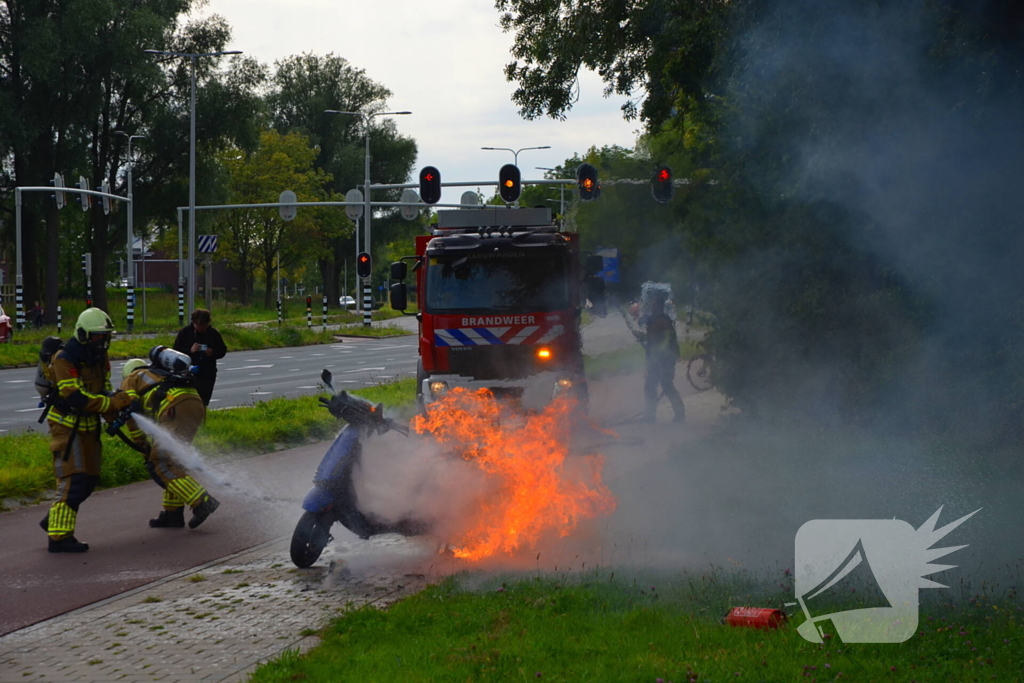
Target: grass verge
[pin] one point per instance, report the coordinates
(597, 628)
(26, 467)
(26, 351)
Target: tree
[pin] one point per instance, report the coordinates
(304, 86)
(852, 172)
(73, 72)
(254, 238)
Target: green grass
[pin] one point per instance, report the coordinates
(598, 628)
(25, 350)
(26, 467)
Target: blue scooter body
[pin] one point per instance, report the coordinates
(321, 498)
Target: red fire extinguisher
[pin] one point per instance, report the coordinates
(755, 617)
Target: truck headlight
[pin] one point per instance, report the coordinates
(438, 388)
(562, 386)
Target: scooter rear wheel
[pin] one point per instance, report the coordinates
(311, 536)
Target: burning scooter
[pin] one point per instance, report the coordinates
(333, 496)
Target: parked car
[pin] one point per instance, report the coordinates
(6, 329)
(347, 302)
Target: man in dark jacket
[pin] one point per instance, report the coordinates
(203, 345)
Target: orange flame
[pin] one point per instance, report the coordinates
(524, 457)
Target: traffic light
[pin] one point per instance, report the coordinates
(661, 184)
(363, 265)
(430, 185)
(509, 183)
(105, 201)
(83, 184)
(586, 180)
(58, 183)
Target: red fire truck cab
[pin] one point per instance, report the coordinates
(500, 293)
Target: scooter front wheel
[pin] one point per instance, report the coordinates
(311, 536)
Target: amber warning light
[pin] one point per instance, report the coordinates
(544, 353)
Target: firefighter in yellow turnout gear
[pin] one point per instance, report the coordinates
(176, 406)
(80, 372)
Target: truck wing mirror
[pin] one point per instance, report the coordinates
(398, 270)
(594, 265)
(399, 295)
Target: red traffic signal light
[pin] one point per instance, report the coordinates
(363, 265)
(586, 181)
(430, 185)
(661, 184)
(509, 183)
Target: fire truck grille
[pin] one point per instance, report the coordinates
(494, 362)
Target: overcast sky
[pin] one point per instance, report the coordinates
(444, 62)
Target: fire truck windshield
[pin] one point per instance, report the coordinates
(522, 281)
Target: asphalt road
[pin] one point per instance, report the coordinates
(245, 377)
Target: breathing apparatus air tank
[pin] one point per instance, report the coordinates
(169, 360)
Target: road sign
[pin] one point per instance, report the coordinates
(287, 212)
(105, 201)
(207, 244)
(410, 213)
(354, 212)
(83, 198)
(58, 182)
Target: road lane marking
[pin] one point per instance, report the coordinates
(254, 374)
(28, 410)
(250, 367)
(349, 372)
(17, 381)
(260, 393)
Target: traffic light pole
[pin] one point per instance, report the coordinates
(19, 289)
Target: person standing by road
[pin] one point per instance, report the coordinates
(661, 348)
(80, 371)
(175, 405)
(201, 342)
(36, 314)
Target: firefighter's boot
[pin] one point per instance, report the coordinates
(203, 510)
(171, 519)
(68, 544)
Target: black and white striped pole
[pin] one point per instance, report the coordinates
(19, 303)
(279, 310)
(131, 306)
(181, 303)
(309, 311)
(364, 268)
(367, 303)
(60, 321)
(325, 312)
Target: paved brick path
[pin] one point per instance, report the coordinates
(216, 622)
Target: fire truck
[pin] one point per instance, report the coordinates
(500, 294)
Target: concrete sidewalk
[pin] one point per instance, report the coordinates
(219, 621)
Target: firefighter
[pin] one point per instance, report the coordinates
(661, 348)
(177, 407)
(80, 372)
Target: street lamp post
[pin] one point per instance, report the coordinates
(561, 192)
(515, 152)
(367, 210)
(192, 164)
(131, 231)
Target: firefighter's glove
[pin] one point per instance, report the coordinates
(136, 407)
(121, 400)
